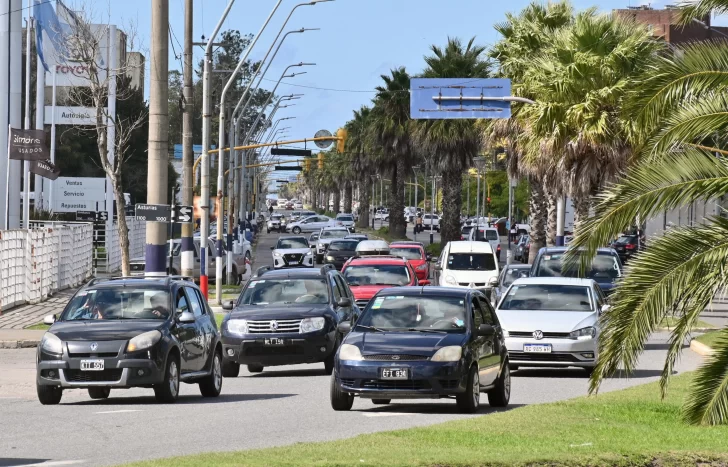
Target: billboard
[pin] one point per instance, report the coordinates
(459, 98)
(71, 194)
(71, 115)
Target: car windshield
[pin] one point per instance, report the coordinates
(466, 229)
(547, 297)
(415, 313)
(603, 268)
(626, 239)
(406, 252)
(471, 262)
(377, 275)
(345, 218)
(485, 234)
(334, 233)
(511, 274)
(291, 243)
(284, 292)
(118, 303)
(343, 245)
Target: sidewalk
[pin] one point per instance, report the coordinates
(19, 338)
(27, 315)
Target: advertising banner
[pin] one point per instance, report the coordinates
(71, 194)
(71, 116)
(28, 145)
(45, 169)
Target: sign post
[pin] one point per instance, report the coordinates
(168, 214)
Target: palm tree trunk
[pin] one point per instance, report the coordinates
(348, 195)
(581, 210)
(537, 210)
(452, 200)
(551, 219)
(365, 190)
(396, 216)
(337, 200)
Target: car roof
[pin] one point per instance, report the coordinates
(563, 249)
(486, 227)
(465, 246)
(426, 290)
(287, 237)
(517, 266)
(394, 244)
(144, 282)
(554, 281)
(293, 273)
(374, 260)
(326, 229)
(372, 245)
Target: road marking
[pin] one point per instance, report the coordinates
(120, 411)
(55, 463)
(384, 414)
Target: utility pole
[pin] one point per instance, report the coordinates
(188, 246)
(158, 136)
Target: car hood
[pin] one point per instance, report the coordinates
(413, 343)
(263, 312)
(547, 321)
(366, 292)
(472, 276)
(103, 330)
(293, 251)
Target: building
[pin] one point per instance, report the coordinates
(664, 24)
(135, 62)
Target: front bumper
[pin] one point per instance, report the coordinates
(298, 348)
(564, 352)
(428, 379)
(279, 263)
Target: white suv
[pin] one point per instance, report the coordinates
(467, 264)
(483, 233)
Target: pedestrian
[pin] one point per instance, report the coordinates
(513, 231)
(418, 227)
(270, 210)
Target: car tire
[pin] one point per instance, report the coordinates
(230, 369)
(255, 368)
(331, 359)
(469, 401)
(319, 259)
(267, 230)
(340, 401)
(500, 395)
(589, 371)
(49, 395)
(99, 393)
(211, 385)
(381, 401)
(296, 230)
(168, 390)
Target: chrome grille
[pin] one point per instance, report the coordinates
(295, 258)
(362, 304)
(274, 326)
(395, 358)
(546, 335)
(475, 284)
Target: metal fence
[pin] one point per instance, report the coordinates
(137, 240)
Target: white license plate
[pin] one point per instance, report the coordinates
(92, 365)
(394, 373)
(275, 341)
(537, 348)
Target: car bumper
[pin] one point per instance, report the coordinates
(564, 352)
(428, 379)
(252, 349)
(279, 263)
(117, 373)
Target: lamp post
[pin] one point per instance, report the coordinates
(479, 164)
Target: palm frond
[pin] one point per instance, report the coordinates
(700, 10)
(708, 404)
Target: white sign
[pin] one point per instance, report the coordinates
(71, 115)
(71, 194)
(71, 73)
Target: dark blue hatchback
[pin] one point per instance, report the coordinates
(606, 267)
(423, 342)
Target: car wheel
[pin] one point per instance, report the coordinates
(331, 359)
(99, 393)
(255, 368)
(296, 230)
(267, 230)
(212, 384)
(501, 393)
(168, 390)
(469, 401)
(49, 395)
(589, 371)
(340, 400)
(230, 369)
(319, 259)
(381, 401)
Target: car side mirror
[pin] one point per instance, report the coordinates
(486, 330)
(272, 248)
(344, 327)
(438, 267)
(424, 282)
(606, 308)
(49, 320)
(344, 302)
(428, 257)
(227, 305)
(313, 247)
(493, 282)
(185, 317)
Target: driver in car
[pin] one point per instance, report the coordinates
(159, 307)
(315, 291)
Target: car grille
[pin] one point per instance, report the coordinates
(78, 376)
(410, 385)
(348, 382)
(449, 383)
(542, 357)
(274, 350)
(395, 357)
(476, 284)
(265, 327)
(546, 335)
(295, 258)
(136, 267)
(362, 304)
(96, 355)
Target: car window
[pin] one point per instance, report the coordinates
(406, 252)
(510, 275)
(477, 313)
(414, 313)
(343, 245)
(345, 291)
(181, 303)
(384, 274)
(486, 234)
(488, 314)
(604, 267)
(292, 243)
(285, 292)
(334, 233)
(335, 288)
(197, 306)
(471, 262)
(601, 298)
(547, 297)
(120, 303)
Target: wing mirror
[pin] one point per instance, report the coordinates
(344, 302)
(49, 320)
(227, 305)
(438, 267)
(486, 330)
(493, 282)
(344, 327)
(185, 317)
(606, 308)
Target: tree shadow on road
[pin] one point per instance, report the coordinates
(287, 373)
(185, 399)
(433, 409)
(18, 461)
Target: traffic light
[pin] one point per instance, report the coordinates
(307, 163)
(321, 161)
(488, 199)
(341, 134)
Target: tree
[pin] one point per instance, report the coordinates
(359, 144)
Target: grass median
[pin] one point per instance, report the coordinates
(710, 338)
(630, 427)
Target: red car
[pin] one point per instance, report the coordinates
(415, 253)
(367, 275)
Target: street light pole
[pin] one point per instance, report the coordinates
(187, 246)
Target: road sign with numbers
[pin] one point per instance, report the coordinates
(153, 212)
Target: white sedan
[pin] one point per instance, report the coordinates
(552, 322)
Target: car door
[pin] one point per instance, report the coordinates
(490, 349)
(345, 313)
(187, 334)
(308, 225)
(206, 327)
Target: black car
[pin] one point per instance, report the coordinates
(627, 246)
(340, 251)
(423, 342)
(131, 332)
(508, 274)
(286, 317)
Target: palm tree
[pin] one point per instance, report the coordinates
(359, 160)
(451, 145)
(681, 128)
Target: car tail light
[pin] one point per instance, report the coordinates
(630, 246)
(498, 249)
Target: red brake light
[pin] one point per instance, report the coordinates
(499, 248)
(630, 246)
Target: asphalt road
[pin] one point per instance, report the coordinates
(253, 411)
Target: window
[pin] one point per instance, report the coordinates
(488, 314)
(378, 275)
(471, 262)
(284, 292)
(343, 289)
(292, 243)
(197, 306)
(407, 252)
(547, 297)
(486, 234)
(335, 289)
(182, 304)
(604, 267)
(477, 314)
(118, 303)
(414, 313)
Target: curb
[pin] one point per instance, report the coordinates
(21, 344)
(700, 348)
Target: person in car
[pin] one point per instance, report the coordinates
(96, 306)
(159, 307)
(315, 292)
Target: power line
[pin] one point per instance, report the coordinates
(25, 8)
(357, 90)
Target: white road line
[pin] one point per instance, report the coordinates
(120, 411)
(384, 414)
(55, 463)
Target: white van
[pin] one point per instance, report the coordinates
(483, 233)
(467, 264)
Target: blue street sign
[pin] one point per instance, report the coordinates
(196, 150)
(459, 98)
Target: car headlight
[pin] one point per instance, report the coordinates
(422, 267)
(237, 327)
(310, 253)
(329, 258)
(312, 324)
(276, 254)
(451, 280)
(349, 352)
(583, 333)
(448, 354)
(51, 344)
(143, 341)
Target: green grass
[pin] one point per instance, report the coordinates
(710, 338)
(670, 322)
(382, 234)
(38, 327)
(631, 427)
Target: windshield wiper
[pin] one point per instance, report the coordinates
(369, 327)
(426, 330)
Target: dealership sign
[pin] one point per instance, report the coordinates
(71, 194)
(71, 116)
(27, 145)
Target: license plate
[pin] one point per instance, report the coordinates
(537, 348)
(394, 373)
(92, 365)
(274, 341)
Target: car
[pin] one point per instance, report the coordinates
(468, 264)
(286, 317)
(367, 275)
(346, 220)
(627, 246)
(360, 237)
(340, 251)
(424, 342)
(298, 205)
(483, 233)
(465, 232)
(292, 252)
(276, 222)
(430, 221)
(606, 267)
(326, 235)
(311, 224)
(520, 252)
(372, 247)
(131, 332)
(552, 322)
(382, 215)
(415, 254)
(508, 274)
